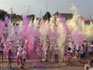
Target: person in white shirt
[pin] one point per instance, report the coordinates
(46, 53)
(19, 55)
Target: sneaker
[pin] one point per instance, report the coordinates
(22, 67)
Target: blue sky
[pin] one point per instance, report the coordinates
(85, 7)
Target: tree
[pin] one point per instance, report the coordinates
(32, 16)
(47, 16)
(3, 14)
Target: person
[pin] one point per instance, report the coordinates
(87, 66)
(24, 56)
(69, 56)
(77, 50)
(90, 49)
(41, 53)
(10, 56)
(85, 47)
(19, 55)
(91, 61)
(5, 32)
(1, 50)
(56, 54)
(82, 54)
(46, 53)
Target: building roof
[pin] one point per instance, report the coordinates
(67, 16)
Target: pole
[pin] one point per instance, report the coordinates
(46, 5)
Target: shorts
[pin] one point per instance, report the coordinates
(9, 58)
(82, 55)
(19, 55)
(69, 57)
(24, 60)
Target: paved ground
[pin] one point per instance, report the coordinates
(43, 66)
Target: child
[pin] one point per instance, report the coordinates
(77, 50)
(24, 56)
(1, 50)
(90, 49)
(87, 66)
(19, 55)
(56, 54)
(82, 54)
(46, 54)
(41, 53)
(9, 55)
(85, 47)
(69, 56)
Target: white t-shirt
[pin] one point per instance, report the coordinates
(91, 69)
(91, 46)
(77, 47)
(20, 50)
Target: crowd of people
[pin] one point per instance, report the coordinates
(79, 52)
(24, 47)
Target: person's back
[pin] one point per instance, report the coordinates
(9, 54)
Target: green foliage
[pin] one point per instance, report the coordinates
(3, 14)
(13, 17)
(47, 16)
